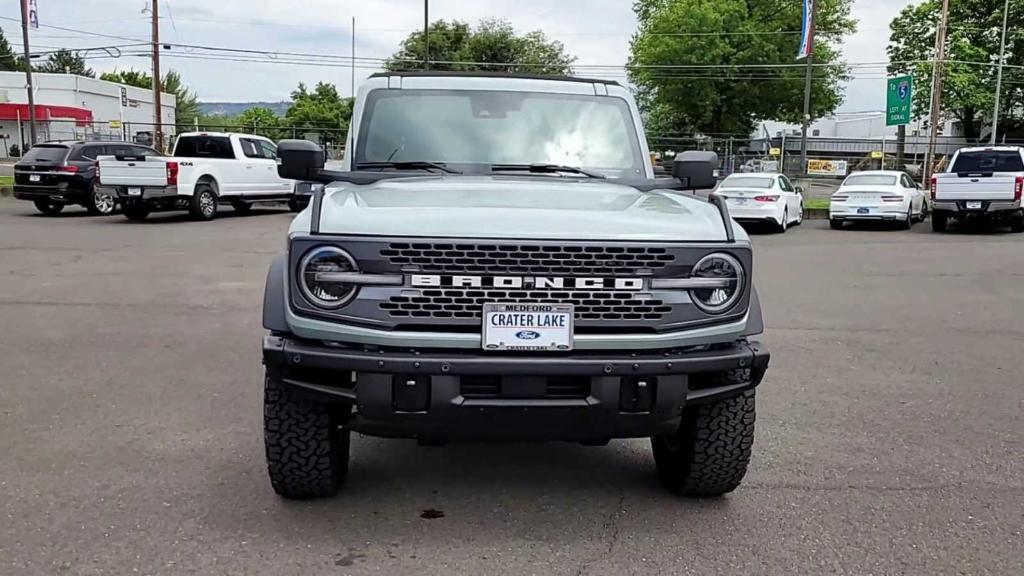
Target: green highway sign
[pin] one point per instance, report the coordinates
(897, 100)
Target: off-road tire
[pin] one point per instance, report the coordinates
(136, 212)
(709, 454)
(835, 224)
(939, 221)
(1017, 222)
(296, 205)
(203, 204)
(48, 208)
(307, 451)
(241, 206)
(95, 207)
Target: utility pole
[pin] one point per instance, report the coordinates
(807, 87)
(999, 75)
(158, 130)
(353, 56)
(28, 77)
(426, 34)
(936, 108)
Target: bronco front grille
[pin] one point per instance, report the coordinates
(468, 303)
(522, 258)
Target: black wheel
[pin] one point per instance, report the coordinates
(297, 205)
(709, 454)
(939, 221)
(1017, 222)
(835, 224)
(48, 208)
(241, 207)
(203, 205)
(135, 211)
(908, 222)
(924, 211)
(307, 450)
(781, 228)
(100, 202)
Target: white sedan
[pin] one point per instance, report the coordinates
(878, 195)
(768, 198)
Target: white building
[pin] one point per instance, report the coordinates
(859, 132)
(72, 107)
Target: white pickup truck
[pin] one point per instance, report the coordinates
(206, 169)
(980, 183)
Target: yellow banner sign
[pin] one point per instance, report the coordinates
(826, 167)
(114, 124)
(774, 151)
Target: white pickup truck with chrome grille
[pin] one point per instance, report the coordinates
(981, 183)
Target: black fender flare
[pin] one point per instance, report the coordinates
(274, 300)
(755, 321)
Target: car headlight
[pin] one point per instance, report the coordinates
(315, 280)
(719, 296)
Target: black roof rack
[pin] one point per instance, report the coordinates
(486, 74)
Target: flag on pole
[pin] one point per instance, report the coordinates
(33, 14)
(806, 30)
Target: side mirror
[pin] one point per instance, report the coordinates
(799, 189)
(299, 160)
(696, 169)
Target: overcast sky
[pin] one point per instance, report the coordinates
(596, 31)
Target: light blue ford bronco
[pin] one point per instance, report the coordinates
(495, 260)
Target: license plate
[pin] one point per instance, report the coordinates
(134, 191)
(530, 327)
(33, 178)
(738, 201)
(863, 210)
(974, 205)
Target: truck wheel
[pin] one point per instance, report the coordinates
(835, 224)
(241, 206)
(708, 456)
(48, 208)
(296, 205)
(307, 450)
(203, 205)
(1017, 222)
(100, 202)
(135, 211)
(939, 221)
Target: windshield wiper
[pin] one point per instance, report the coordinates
(541, 168)
(406, 164)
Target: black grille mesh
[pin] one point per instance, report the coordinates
(518, 258)
(468, 303)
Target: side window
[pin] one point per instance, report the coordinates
(143, 151)
(784, 184)
(90, 152)
(907, 183)
(269, 150)
(204, 147)
(251, 148)
(121, 150)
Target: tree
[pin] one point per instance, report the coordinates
(260, 121)
(493, 45)
(186, 108)
(9, 61)
(711, 68)
(972, 43)
(65, 62)
(320, 109)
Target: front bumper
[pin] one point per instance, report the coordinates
(459, 395)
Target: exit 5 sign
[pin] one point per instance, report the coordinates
(897, 100)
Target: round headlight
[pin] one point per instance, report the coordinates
(726, 269)
(314, 276)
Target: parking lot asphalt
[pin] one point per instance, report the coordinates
(889, 433)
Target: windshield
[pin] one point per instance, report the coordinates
(46, 154)
(870, 180)
(747, 182)
(469, 127)
(989, 161)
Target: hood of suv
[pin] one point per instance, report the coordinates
(515, 207)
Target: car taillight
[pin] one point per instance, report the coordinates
(1018, 185)
(172, 173)
(766, 198)
(839, 198)
(932, 186)
(892, 198)
(97, 165)
(69, 168)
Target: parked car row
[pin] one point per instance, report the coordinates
(205, 170)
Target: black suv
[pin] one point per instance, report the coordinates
(55, 174)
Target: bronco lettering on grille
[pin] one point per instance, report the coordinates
(556, 282)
